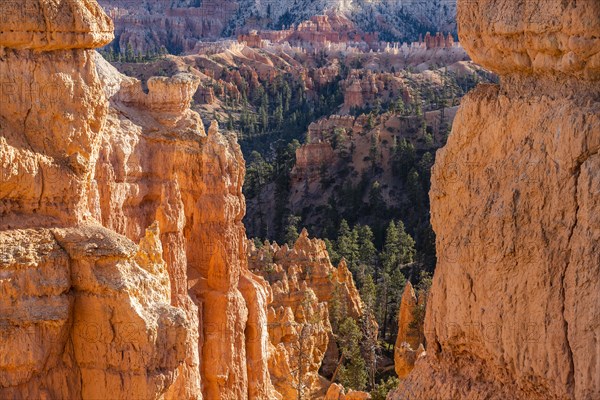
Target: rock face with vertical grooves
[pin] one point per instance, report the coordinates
(515, 204)
(157, 163)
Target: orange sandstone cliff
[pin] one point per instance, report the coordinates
(123, 266)
(515, 202)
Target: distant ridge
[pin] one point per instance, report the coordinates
(177, 25)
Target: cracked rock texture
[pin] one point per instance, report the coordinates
(515, 203)
(123, 270)
(53, 25)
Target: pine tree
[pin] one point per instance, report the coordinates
(338, 138)
(258, 173)
(291, 231)
(367, 253)
(229, 122)
(399, 106)
(406, 244)
(129, 55)
(334, 257)
(263, 111)
(369, 344)
(404, 158)
(347, 245)
(338, 310)
(382, 389)
(397, 282)
(376, 200)
(371, 121)
(415, 189)
(382, 310)
(377, 108)
(391, 249)
(278, 115)
(353, 373)
(287, 97)
(374, 152)
(399, 249)
(368, 294)
(111, 54)
(425, 165)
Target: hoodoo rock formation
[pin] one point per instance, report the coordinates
(318, 32)
(514, 308)
(122, 251)
(304, 284)
(408, 341)
(156, 163)
(311, 257)
(337, 392)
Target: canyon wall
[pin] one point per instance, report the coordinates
(515, 203)
(148, 25)
(122, 252)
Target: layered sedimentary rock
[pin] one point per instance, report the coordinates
(319, 31)
(513, 311)
(122, 252)
(147, 25)
(364, 89)
(408, 341)
(299, 331)
(437, 41)
(304, 284)
(311, 158)
(87, 314)
(61, 25)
